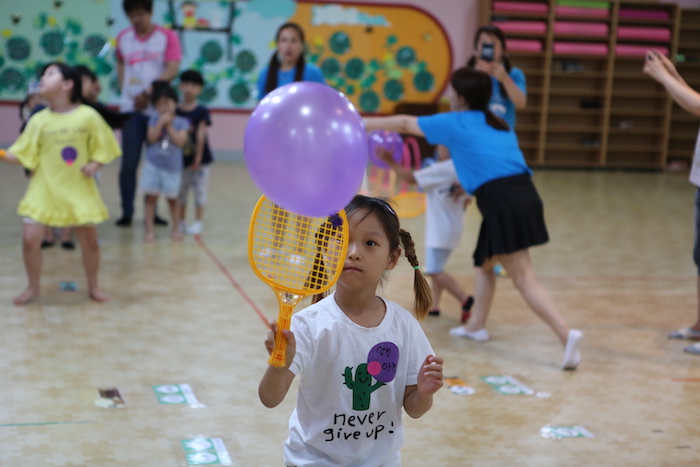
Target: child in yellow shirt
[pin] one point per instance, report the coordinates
(63, 146)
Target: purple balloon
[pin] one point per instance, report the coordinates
(69, 154)
(389, 140)
(382, 361)
(306, 148)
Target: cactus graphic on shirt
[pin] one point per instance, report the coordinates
(361, 387)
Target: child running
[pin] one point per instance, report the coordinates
(63, 146)
(360, 358)
(162, 172)
(444, 222)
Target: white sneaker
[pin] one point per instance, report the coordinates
(572, 356)
(482, 335)
(195, 228)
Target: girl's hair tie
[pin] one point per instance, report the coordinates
(415, 267)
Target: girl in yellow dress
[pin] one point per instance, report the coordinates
(63, 146)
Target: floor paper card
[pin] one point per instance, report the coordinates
(206, 451)
(559, 432)
(176, 394)
(459, 387)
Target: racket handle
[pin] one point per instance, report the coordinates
(278, 357)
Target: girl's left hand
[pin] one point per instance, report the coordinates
(89, 170)
(430, 375)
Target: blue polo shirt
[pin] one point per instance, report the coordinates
(480, 152)
(311, 73)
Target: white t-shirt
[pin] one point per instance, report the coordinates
(444, 215)
(144, 60)
(346, 415)
(695, 169)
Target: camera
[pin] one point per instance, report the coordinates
(487, 52)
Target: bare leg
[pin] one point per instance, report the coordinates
(90, 249)
(696, 326)
(32, 235)
(519, 268)
(200, 213)
(484, 291)
(449, 283)
(174, 206)
(149, 212)
(437, 291)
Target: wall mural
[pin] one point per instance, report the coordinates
(377, 55)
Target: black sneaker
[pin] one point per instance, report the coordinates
(157, 220)
(46, 244)
(124, 221)
(68, 245)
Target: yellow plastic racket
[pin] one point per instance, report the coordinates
(408, 204)
(296, 256)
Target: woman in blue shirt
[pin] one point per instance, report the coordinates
(491, 166)
(509, 91)
(287, 64)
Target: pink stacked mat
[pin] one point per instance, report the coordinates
(581, 29)
(580, 48)
(629, 50)
(633, 13)
(528, 27)
(521, 7)
(644, 33)
(582, 12)
(523, 45)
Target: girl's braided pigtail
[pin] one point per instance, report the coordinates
(423, 295)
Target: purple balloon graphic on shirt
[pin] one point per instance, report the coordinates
(69, 154)
(382, 361)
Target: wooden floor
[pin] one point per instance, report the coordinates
(619, 265)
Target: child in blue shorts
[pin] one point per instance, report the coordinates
(162, 171)
(444, 223)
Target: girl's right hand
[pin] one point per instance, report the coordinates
(291, 342)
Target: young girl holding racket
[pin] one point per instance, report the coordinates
(491, 166)
(63, 146)
(360, 358)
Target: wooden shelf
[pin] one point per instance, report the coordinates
(573, 129)
(555, 126)
(579, 74)
(638, 112)
(678, 153)
(636, 131)
(634, 148)
(574, 111)
(685, 118)
(685, 136)
(576, 92)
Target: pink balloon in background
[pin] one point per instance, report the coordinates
(305, 146)
(389, 140)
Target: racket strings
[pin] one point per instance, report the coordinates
(296, 252)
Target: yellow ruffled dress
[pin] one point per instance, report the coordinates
(54, 146)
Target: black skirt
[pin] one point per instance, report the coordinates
(513, 217)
